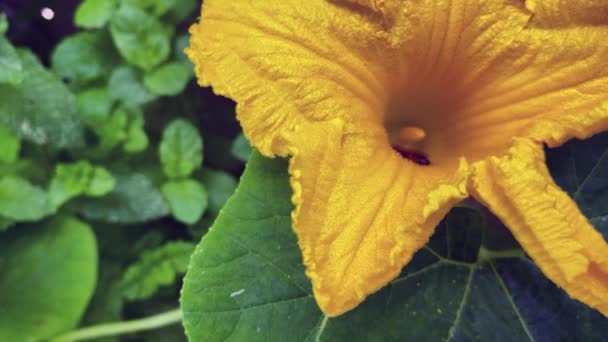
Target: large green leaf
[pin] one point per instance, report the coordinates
(48, 276)
(246, 281)
(41, 109)
(581, 168)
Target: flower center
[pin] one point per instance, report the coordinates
(406, 141)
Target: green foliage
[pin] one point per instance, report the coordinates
(15, 192)
(84, 56)
(169, 79)
(40, 109)
(48, 275)
(85, 139)
(134, 200)
(187, 199)
(141, 39)
(94, 13)
(126, 85)
(117, 134)
(240, 148)
(156, 268)
(3, 24)
(79, 178)
(181, 149)
(11, 69)
(246, 280)
(10, 146)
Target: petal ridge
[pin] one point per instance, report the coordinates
(545, 220)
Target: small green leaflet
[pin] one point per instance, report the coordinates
(84, 56)
(246, 281)
(181, 149)
(134, 200)
(79, 178)
(187, 199)
(156, 268)
(141, 39)
(94, 13)
(125, 85)
(22, 201)
(10, 146)
(48, 276)
(169, 79)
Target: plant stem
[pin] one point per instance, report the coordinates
(112, 329)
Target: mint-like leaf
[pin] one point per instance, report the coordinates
(187, 199)
(181, 149)
(156, 268)
(94, 13)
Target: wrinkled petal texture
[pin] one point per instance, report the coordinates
(325, 81)
(286, 62)
(546, 221)
(361, 210)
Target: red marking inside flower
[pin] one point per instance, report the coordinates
(415, 156)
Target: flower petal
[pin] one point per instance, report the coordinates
(546, 221)
(285, 62)
(565, 13)
(361, 210)
(551, 83)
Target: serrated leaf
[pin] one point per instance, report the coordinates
(156, 268)
(94, 13)
(41, 109)
(581, 168)
(246, 281)
(11, 69)
(84, 56)
(22, 201)
(141, 39)
(181, 149)
(10, 146)
(48, 276)
(220, 186)
(169, 79)
(187, 199)
(126, 85)
(134, 200)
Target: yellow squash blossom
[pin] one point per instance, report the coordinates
(393, 111)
